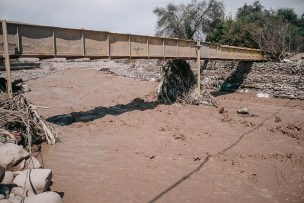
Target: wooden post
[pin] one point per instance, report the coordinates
(198, 63)
(176, 49)
(7, 61)
(148, 48)
(164, 48)
(109, 45)
(130, 46)
(18, 39)
(189, 50)
(54, 43)
(83, 42)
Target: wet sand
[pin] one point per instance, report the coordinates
(135, 151)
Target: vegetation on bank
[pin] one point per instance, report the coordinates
(276, 32)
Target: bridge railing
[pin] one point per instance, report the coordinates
(26, 40)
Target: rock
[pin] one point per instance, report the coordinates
(8, 178)
(46, 197)
(243, 111)
(287, 61)
(283, 80)
(25, 88)
(277, 119)
(221, 110)
(40, 179)
(262, 95)
(19, 191)
(11, 155)
(4, 201)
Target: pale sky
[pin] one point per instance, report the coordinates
(123, 16)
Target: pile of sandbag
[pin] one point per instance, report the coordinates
(22, 178)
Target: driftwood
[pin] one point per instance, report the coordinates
(178, 79)
(178, 85)
(18, 117)
(193, 98)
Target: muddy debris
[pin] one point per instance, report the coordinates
(178, 85)
(221, 110)
(21, 124)
(293, 130)
(277, 119)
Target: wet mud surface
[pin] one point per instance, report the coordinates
(119, 145)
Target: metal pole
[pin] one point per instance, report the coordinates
(7, 61)
(198, 63)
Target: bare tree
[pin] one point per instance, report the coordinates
(190, 21)
(271, 37)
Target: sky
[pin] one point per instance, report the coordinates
(122, 16)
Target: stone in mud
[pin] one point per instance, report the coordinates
(243, 111)
(11, 155)
(221, 110)
(46, 197)
(40, 179)
(277, 119)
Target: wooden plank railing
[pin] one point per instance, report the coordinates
(26, 40)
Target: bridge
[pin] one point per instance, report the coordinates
(39, 41)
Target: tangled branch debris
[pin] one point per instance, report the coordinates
(20, 123)
(178, 85)
(193, 98)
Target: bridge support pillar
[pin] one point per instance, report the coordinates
(9, 88)
(198, 64)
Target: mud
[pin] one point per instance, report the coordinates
(127, 150)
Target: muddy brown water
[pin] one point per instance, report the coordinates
(166, 153)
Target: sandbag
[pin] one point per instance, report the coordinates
(46, 197)
(14, 199)
(40, 179)
(19, 191)
(11, 155)
(32, 163)
(8, 177)
(2, 173)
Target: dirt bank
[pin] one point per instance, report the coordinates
(130, 150)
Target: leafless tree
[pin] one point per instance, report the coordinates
(190, 21)
(271, 37)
